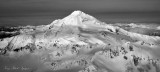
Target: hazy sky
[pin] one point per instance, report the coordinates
(37, 12)
(13, 7)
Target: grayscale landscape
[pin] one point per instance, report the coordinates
(80, 43)
(79, 35)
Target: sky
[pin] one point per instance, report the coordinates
(55, 6)
(13, 8)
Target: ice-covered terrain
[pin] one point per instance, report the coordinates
(80, 43)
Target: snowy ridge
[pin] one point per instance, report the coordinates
(80, 40)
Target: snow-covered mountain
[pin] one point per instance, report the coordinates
(82, 42)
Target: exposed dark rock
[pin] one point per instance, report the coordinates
(131, 48)
(125, 57)
(135, 60)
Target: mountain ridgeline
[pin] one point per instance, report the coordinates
(81, 43)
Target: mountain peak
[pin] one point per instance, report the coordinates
(81, 41)
(76, 18)
(80, 14)
(77, 12)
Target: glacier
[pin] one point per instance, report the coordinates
(81, 43)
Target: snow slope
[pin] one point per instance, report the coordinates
(83, 42)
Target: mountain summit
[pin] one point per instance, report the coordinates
(81, 43)
(76, 13)
(77, 18)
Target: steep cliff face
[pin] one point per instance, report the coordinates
(81, 41)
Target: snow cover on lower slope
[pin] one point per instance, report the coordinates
(80, 41)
